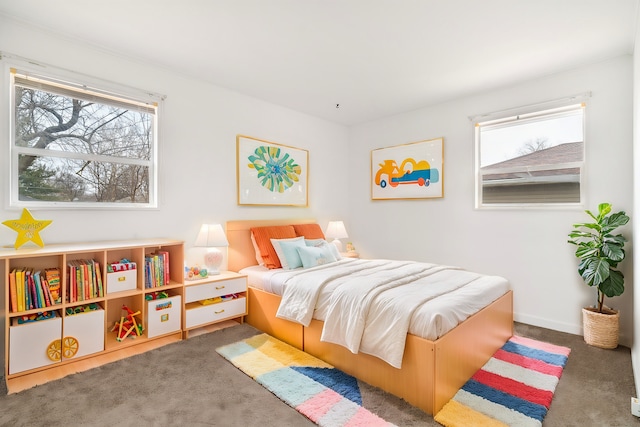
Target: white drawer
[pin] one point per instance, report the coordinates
(214, 312)
(215, 289)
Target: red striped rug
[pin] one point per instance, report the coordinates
(514, 388)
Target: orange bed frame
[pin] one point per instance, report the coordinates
(432, 371)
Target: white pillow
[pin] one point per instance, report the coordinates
(320, 242)
(287, 253)
(312, 256)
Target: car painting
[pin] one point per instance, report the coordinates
(409, 172)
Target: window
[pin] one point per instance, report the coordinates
(78, 146)
(533, 159)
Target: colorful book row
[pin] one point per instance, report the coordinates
(31, 289)
(85, 280)
(156, 269)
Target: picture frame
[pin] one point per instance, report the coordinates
(408, 171)
(273, 174)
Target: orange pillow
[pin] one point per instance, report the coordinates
(263, 236)
(309, 231)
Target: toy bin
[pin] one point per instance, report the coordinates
(164, 316)
(118, 281)
(87, 328)
(32, 345)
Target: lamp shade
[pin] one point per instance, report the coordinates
(336, 230)
(211, 235)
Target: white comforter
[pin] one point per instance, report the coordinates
(371, 301)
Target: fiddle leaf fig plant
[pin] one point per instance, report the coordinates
(600, 252)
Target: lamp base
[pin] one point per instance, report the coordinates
(338, 244)
(212, 261)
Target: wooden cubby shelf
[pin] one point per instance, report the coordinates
(84, 322)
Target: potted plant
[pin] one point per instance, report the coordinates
(600, 252)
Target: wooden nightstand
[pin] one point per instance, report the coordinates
(214, 299)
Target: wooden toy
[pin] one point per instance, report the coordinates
(128, 325)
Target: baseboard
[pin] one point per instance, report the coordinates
(548, 324)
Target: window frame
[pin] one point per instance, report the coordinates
(93, 89)
(540, 111)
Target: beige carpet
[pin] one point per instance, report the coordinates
(188, 383)
(185, 383)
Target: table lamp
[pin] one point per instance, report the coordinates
(211, 236)
(336, 231)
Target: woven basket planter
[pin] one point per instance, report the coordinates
(601, 329)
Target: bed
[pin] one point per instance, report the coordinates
(431, 370)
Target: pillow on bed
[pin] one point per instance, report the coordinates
(256, 249)
(319, 242)
(309, 231)
(287, 253)
(312, 256)
(263, 236)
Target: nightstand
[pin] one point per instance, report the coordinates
(349, 254)
(213, 299)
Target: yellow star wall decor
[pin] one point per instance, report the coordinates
(28, 228)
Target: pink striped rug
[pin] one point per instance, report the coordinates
(514, 388)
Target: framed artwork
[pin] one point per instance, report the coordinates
(408, 171)
(270, 173)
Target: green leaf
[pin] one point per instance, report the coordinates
(603, 210)
(613, 251)
(591, 215)
(595, 271)
(616, 220)
(614, 285)
(586, 251)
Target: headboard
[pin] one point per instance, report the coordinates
(240, 251)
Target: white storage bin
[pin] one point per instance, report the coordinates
(119, 281)
(164, 316)
(88, 329)
(28, 344)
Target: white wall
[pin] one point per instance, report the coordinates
(635, 349)
(198, 132)
(198, 175)
(527, 246)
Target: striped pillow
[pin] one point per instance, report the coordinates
(262, 237)
(309, 231)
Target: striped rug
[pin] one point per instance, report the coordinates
(325, 395)
(514, 388)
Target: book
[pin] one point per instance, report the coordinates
(93, 278)
(165, 266)
(13, 291)
(52, 276)
(39, 294)
(45, 289)
(30, 289)
(42, 287)
(86, 279)
(20, 288)
(99, 280)
(71, 290)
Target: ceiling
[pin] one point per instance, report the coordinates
(348, 61)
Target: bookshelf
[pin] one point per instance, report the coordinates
(96, 294)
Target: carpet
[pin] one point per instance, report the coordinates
(514, 388)
(325, 395)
